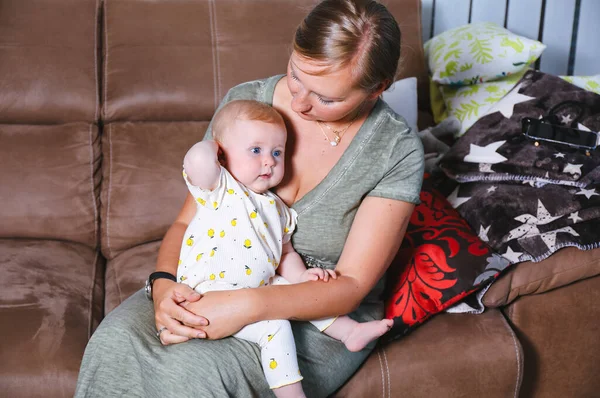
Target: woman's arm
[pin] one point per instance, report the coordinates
(374, 239)
(166, 294)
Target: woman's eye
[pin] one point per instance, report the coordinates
(255, 150)
(324, 101)
(277, 153)
(293, 76)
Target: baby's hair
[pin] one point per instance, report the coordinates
(243, 110)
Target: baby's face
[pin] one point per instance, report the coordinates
(254, 153)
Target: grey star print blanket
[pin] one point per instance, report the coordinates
(494, 149)
(528, 201)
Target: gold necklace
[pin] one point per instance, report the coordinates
(338, 133)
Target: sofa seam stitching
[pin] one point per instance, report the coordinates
(96, 79)
(512, 335)
(108, 196)
(105, 46)
(91, 296)
(214, 50)
(217, 58)
(381, 368)
(96, 218)
(387, 371)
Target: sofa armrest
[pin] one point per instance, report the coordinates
(562, 268)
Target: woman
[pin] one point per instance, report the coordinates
(353, 176)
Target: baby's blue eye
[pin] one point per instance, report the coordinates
(277, 153)
(255, 150)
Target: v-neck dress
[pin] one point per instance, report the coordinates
(124, 357)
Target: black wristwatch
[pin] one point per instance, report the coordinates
(154, 276)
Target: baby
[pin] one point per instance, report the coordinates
(240, 235)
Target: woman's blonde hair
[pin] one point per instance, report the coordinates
(359, 33)
(243, 110)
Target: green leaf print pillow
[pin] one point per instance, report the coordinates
(589, 83)
(477, 53)
(469, 103)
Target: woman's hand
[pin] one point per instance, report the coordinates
(227, 311)
(169, 312)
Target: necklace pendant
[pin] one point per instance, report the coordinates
(333, 143)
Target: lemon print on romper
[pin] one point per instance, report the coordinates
(182, 278)
(230, 191)
(179, 262)
(248, 270)
(270, 337)
(215, 205)
(212, 277)
(201, 201)
(253, 214)
(272, 201)
(190, 240)
(273, 363)
(247, 244)
(286, 230)
(222, 274)
(212, 252)
(199, 256)
(234, 222)
(211, 233)
(222, 234)
(262, 282)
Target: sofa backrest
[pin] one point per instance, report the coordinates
(49, 108)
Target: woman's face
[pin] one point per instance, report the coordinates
(328, 97)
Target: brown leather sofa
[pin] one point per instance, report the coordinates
(99, 101)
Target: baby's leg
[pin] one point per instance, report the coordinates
(356, 335)
(278, 356)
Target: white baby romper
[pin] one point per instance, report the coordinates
(235, 241)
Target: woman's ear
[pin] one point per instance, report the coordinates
(380, 89)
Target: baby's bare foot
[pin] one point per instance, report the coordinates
(364, 333)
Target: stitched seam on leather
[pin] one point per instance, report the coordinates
(91, 296)
(387, 371)
(92, 184)
(96, 79)
(214, 50)
(381, 368)
(516, 346)
(105, 57)
(108, 195)
(217, 57)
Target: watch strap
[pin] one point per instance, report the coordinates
(161, 275)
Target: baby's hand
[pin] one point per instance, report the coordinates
(314, 274)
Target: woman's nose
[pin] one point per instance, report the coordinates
(300, 102)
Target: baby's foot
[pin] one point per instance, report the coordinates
(364, 333)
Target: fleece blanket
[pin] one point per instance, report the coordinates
(494, 148)
(528, 201)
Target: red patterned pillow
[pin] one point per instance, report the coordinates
(440, 262)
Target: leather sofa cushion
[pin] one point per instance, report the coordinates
(559, 331)
(142, 189)
(566, 266)
(175, 61)
(56, 42)
(54, 180)
(51, 296)
(127, 273)
(452, 355)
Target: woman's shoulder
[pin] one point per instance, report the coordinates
(391, 128)
(260, 90)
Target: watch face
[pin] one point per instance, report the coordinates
(148, 289)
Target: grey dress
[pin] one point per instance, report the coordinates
(124, 357)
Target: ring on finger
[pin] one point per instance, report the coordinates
(160, 331)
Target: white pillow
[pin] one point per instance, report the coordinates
(479, 52)
(402, 98)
